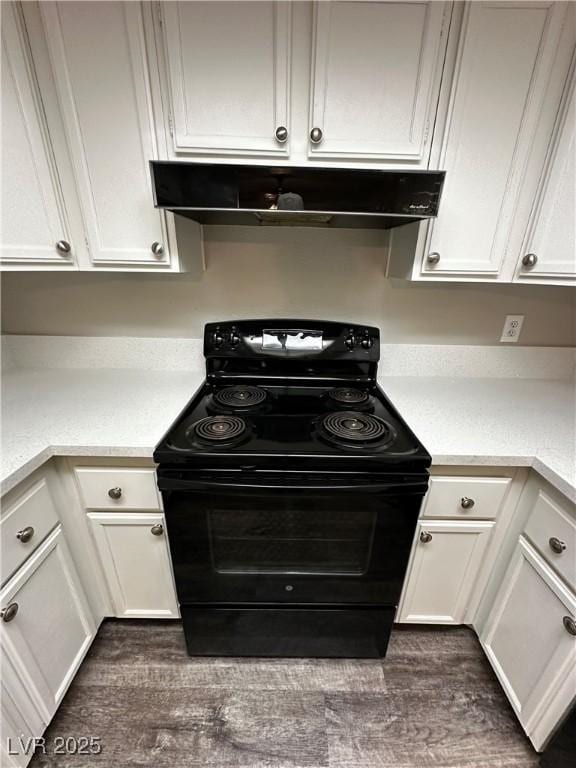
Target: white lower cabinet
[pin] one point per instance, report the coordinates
(47, 625)
(529, 638)
(446, 560)
(133, 550)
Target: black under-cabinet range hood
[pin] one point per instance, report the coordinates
(298, 196)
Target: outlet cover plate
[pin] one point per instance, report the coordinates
(512, 329)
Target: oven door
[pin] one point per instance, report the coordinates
(290, 539)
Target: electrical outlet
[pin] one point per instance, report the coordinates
(512, 328)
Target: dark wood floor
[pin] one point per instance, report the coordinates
(433, 701)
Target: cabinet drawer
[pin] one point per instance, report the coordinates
(24, 525)
(553, 531)
(123, 488)
(465, 497)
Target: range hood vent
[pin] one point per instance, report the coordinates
(260, 195)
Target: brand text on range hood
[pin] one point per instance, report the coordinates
(299, 196)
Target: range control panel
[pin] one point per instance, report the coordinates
(291, 338)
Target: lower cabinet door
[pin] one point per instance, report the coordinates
(46, 626)
(446, 559)
(530, 640)
(20, 727)
(133, 549)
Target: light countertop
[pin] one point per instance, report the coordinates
(112, 412)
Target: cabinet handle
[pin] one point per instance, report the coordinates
(466, 503)
(62, 246)
(157, 249)
(316, 135)
(9, 613)
(115, 493)
(433, 258)
(556, 545)
(569, 625)
(425, 537)
(157, 530)
(530, 260)
(25, 534)
(281, 134)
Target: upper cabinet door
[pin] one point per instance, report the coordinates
(375, 79)
(34, 224)
(550, 247)
(98, 55)
(504, 69)
(229, 73)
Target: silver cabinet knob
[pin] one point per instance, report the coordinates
(433, 258)
(569, 625)
(9, 613)
(157, 249)
(281, 134)
(115, 493)
(157, 530)
(556, 545)
(62, 246)
(316, 135)
(466, 503)
(425, 537)
(530, 260)
(25, 534)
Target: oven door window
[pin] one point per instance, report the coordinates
(291, 539)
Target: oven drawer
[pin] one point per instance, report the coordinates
(126, 488)
(355, 632)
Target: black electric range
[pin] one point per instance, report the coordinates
(291, 487)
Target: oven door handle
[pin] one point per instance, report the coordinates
(176, 484)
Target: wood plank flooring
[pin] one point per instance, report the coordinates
(433, 702)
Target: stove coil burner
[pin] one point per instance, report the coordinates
(356, 428)
(219, 429)
(240, 397)
(348, 396)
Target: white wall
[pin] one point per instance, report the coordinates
(307, 273)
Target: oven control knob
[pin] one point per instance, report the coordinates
(350, 341)
(217, 339)
(234, 339)
(366, 342)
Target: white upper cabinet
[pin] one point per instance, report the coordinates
(375, 79)
(97, 52)
(550, 246)
(509, 66)
(34, 222)
(229, 76)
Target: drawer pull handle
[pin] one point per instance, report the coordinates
(115, 493)
(556, 545)
(569, 625)
(425, 537)
(466, 503)
(25, 534)
(157, 530)
(9, 613)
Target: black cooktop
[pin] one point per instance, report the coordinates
(291, 394)
(254, 422)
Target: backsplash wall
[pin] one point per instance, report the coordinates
(296, 272)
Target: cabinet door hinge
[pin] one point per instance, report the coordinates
(170, 124)
(87, 244)
(159, 13)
